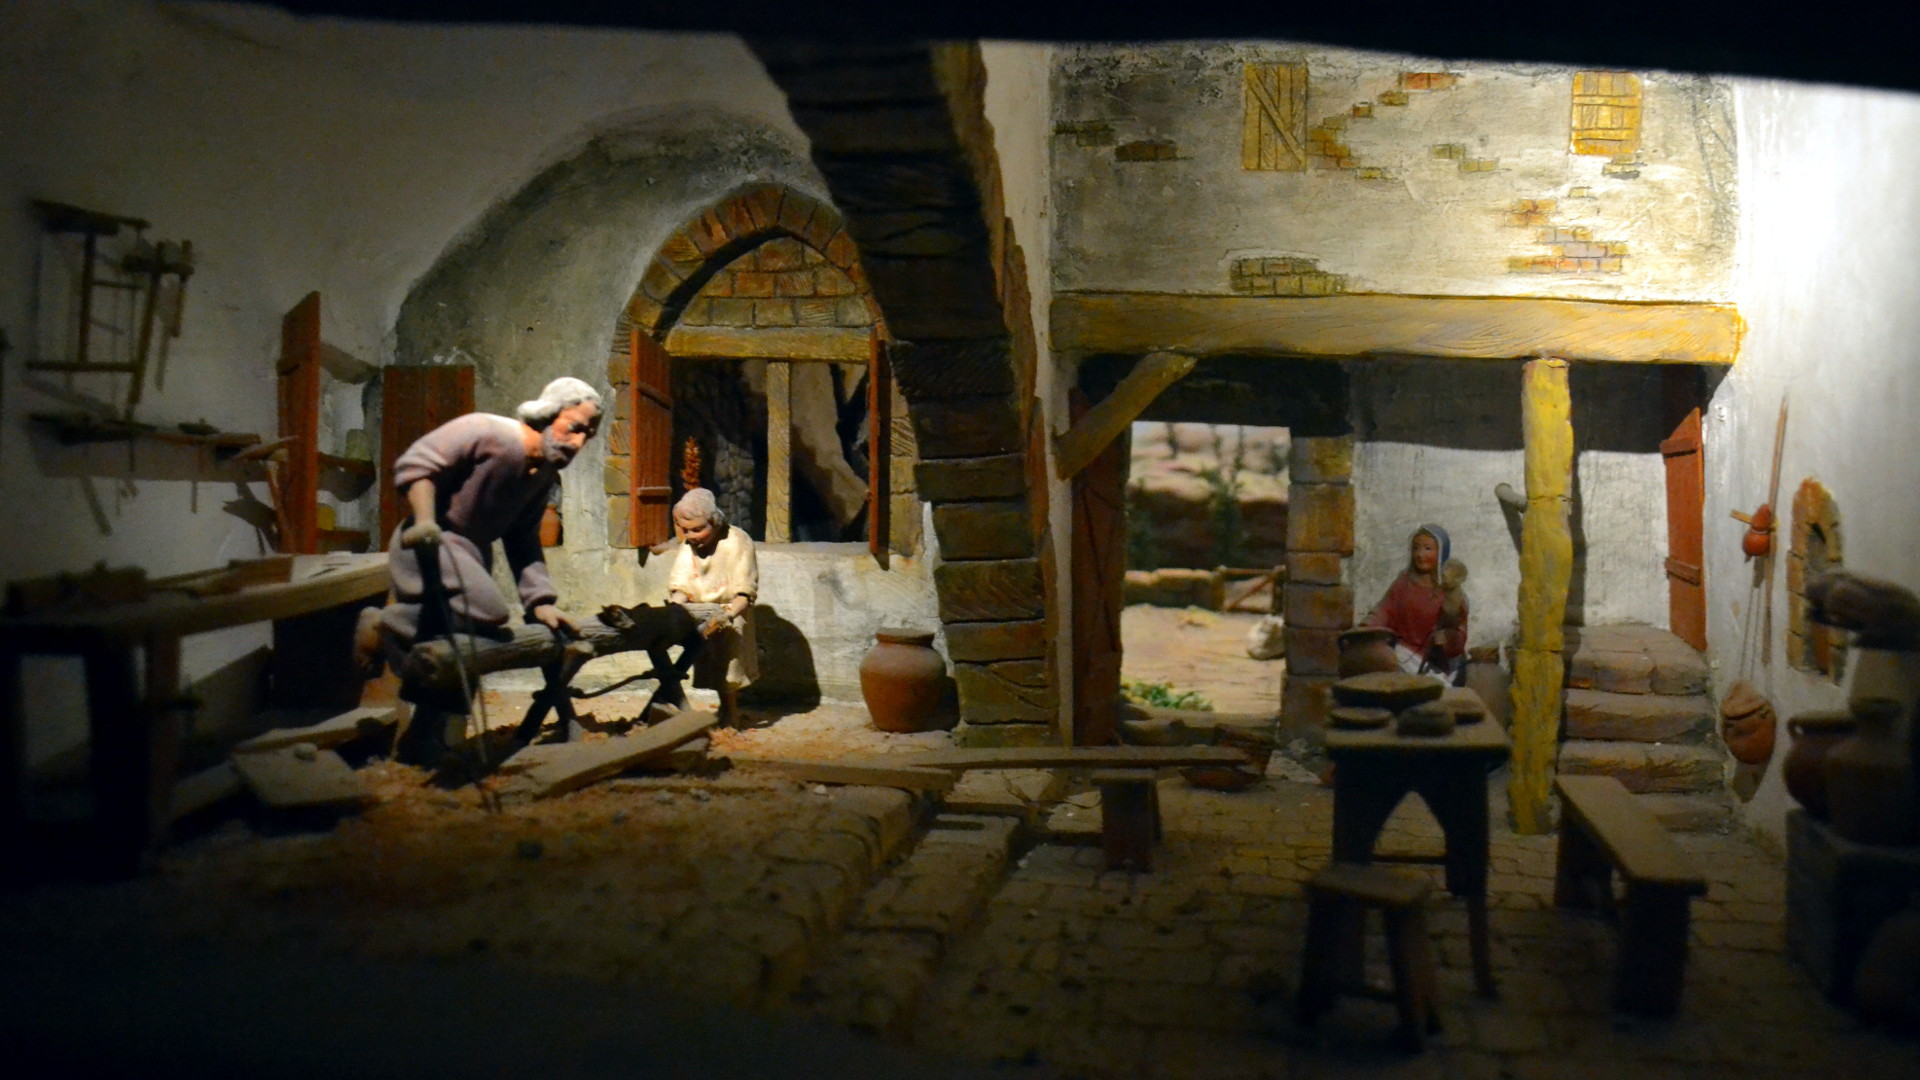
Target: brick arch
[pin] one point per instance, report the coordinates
(728, 229)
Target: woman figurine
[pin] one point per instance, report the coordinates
(1426, 608)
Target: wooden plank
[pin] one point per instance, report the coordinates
(779, 454)
(558, 768)
(301, 778)
(1463, 327)
(1092, 433)
(329, 733)
(321, 581)
(1633, 838)
(1546, 573)
(1078, 757)
(866, 773)
(794, 343)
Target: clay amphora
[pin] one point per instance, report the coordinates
(901, 679)
(1366, 649)
(1815, 734)
(1870, 794)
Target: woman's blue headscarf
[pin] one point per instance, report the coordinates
(1439, 537)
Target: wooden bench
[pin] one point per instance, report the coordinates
(1602, 830)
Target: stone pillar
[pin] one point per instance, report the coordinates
(1318, 602)
(1546, 571)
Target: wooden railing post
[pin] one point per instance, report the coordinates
(1546, 572)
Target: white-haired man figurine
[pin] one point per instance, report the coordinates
(473, 480)
(716, 565)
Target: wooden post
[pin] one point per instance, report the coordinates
(779, 452)
(1115, 413)
(1546, 572)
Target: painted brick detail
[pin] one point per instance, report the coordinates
(1570, 249)
(1147, 150)
(1283, 276)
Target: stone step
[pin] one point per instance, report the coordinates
(1666, 768)
(1632, 658)
(871, 975)
(1698, 812)
(1598, 714)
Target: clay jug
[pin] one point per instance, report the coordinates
(1870, 794)
(1815, 734)
(1367, 649)
(901, 679)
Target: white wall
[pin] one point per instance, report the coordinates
(1177, 226)
(1830, 221)
(1018, 103)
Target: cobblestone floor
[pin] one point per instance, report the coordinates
(1188, 970)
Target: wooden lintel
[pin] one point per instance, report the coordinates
(842, 344)
(1457, 327)
(1103, 423)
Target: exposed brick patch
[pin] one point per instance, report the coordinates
(1624, 167)
(1394, 98)
(1450, 151)
(1428, 80)
(1284, 276)
(1086, 132)
(1570, 249)
(1147, 150)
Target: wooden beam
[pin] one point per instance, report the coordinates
(1546, 572)
(433, 663)
(1076, 449)
(1073, 757)
(833, 343)
(1461, 327)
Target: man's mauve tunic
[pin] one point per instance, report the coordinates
(485, 489)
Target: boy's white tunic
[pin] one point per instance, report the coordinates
(730, 658)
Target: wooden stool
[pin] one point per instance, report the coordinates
(1339, 898)
(1129, 817)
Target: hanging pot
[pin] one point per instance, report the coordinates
(1747, 723)
(901, 679)
(1815, 734)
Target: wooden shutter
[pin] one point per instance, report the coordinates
(879, 449)
(652, 471)
(414, 401)
(1274, 135)
(1686, 492)
(1606, 113)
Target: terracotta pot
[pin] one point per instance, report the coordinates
(1366, 649)
(1747, 723)
(1870, 792)
(901, 679)
(1815, 734)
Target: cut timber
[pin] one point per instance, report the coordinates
(1080, 757)
(558, 768)
(1464, 327)
(865, 774)
(301, 778)
(205, 788)
(337, 731)
(431, 664)
(1546, 572)
(1076, 449)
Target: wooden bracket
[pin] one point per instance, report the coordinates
(1103, 423)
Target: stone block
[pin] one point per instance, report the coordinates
(1315, 567)
(817, 312)
(983, 530)
(962, 478)
(735, 312)
(1319, 607)
(1006, 691)
(620, 521)
(1597, 714)
(1645, 767)
(619, 437)
(1312, 651)
(986, 641)
(1321, 459)
(1304, 703)
(774, 313)
(970, 367)
(966, 427)
(989, 590)
(1320, 518)
(616, 479)
(1615, 672)
(1677, 669)
(988, 736)
(619, 371)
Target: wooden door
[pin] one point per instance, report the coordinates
(1686, 495)
(414, 401)
(652, 472)
(1099, 577)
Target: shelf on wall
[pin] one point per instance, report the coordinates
(76, 428)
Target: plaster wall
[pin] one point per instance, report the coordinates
(1018, 103)
(1826, 283)
(1434, 438)
(1427, 225)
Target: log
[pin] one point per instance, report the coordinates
(431, 663)
(1546, 572)
(1103, 423)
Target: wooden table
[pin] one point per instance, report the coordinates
(135, 707)
(1375, 769)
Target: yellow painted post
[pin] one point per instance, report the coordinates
(1546, 572)
(779, 452)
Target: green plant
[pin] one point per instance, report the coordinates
(1163, 695)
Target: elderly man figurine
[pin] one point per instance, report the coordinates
(469, 482)
(716, 565)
